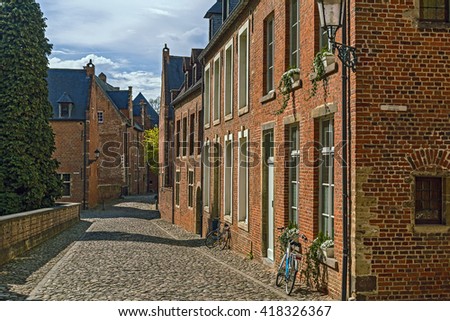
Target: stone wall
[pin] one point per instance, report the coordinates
(23, 231)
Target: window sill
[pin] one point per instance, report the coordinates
(433, 25)
(243, 226)
(269, 97)
(228, 219)
(431, 229)
(243, 110)
(216, 122)
(228, 117)
(208, 125)
(330, 262)
(329, 70)
(206, 209)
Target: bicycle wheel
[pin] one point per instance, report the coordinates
(290, 282)
(212, 239)
(281, 272)
(223, 240)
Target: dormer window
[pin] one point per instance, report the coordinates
(186, 79)
(225, 9)
(194, 74)
(65, 106)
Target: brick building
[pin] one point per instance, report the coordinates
(97, 139)
(172, 77)
(188, 129)
(279, 165)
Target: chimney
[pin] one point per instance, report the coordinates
(142, 104)
(102, 77)
(90, 68)
(130, 104)
(166, 53)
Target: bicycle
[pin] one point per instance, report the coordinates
(290, 263)
(218, 237)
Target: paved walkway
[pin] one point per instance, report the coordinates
(126, 252)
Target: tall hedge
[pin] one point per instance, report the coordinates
(27, 171)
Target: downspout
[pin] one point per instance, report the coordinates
(344, 166)
(173, 172)
(84, 164)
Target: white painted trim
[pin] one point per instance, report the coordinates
(244, 28)
(228, 138)
(243, 134)
(227, 46)
(207, 99)
(215, 60)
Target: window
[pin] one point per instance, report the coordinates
(428, 200)
(191, 188)
(100, 117)
(177, 138)
(207, 102)
(243, 66)
(66, 183)
(228, 175)
(326, 197)
(243, 177)
(294, 23)
(294, 156)
(191, 135)
(216, 94)
(184, 136)
(206, 174)
(194, 74)
(435, 10)
(65, 110)
(177, 187)
(199, 133)
(225, 9)
(228, 99)
(186, 80)
(269, 84)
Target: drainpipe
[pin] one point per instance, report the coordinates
(173, 172)
(344, 165)
(84, 164)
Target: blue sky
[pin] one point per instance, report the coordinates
(124, 38)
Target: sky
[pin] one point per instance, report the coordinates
(124, 39)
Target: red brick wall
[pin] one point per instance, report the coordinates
(402, 63)
(185, 215)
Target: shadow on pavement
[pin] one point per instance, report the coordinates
(128, 237)
(17, 272)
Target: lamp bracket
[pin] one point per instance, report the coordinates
(347, 55)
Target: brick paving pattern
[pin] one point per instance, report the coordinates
(127, 253)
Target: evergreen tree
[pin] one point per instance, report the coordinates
(27, 170)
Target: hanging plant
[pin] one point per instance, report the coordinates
(314, 257)
(285, 87)
(320, 62)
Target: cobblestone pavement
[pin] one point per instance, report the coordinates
(126, 252)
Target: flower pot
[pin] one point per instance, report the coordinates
(328, 252)
(327, 59)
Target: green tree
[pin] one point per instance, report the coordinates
(151, 142)
(27, 170)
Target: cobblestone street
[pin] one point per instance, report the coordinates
(126, 252)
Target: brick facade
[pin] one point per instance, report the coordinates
(102, 124)
(399, 130)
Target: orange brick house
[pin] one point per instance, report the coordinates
(98, 141)
(279, 165)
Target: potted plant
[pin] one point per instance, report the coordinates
(327, 248)
(285, 87)
(322, 59)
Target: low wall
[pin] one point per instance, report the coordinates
(23, 231)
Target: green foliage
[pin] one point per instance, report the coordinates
(285, 88)
(319, 69)
(27, 170)
(289, 233)
(151, 143)
(313, 258)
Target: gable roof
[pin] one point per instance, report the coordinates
(69, 85)
(175, 78)
(119, 97)
(152, 114)
(215, 9)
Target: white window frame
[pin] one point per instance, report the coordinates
(191, 188)
(243, 171)
(207, 97)
(294, 179)
(61, 176)
(177, 187)
(270, 63)
(100, 119)
(216, 89)
(228, 80)
(242, 30)
(331, 194)
(206, 175)
(228, 190)
(294, 24)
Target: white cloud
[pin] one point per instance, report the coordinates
(99, 61)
